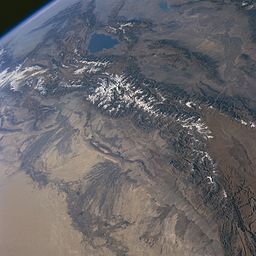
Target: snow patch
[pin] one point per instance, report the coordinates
(192, 123)
(71, 84)
(40, 86)
(91, 67)
(252, 125)
(190, 104)
(118, 88)
(210, 179)
(243, 122)
(249, 124)
(123, 26)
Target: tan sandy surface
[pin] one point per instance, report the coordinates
(34, 221)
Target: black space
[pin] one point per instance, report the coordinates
(14, 12)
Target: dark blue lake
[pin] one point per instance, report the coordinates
(100, 41)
